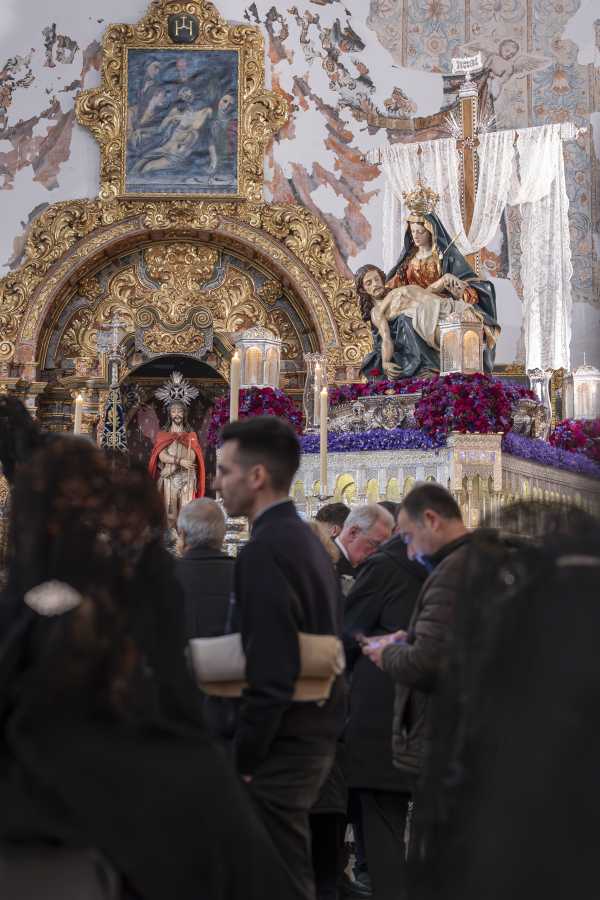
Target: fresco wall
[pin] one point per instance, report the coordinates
(358, 73)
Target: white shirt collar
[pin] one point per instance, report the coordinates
(339, 544)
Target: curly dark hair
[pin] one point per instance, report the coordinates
(79, 519)
(364, 300)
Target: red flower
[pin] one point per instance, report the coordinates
(578, 435)
(254, 402)
(467, 403)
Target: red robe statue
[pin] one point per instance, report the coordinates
(171, 477)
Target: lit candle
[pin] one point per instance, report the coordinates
(78, 418)
(317, 390)
(323, 442)
(234, 386)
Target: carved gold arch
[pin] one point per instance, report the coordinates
(72, 240)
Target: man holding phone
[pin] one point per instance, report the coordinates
(431, 525)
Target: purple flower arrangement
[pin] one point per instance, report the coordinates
(254, 402)
(465, 403)
(469, 404)
(376, 439)
(549, 455)
(578, 435)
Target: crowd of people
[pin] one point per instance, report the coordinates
(454, 755)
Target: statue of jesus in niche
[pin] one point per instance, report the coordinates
(176, 461)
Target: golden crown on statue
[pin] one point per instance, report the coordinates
(422, 200)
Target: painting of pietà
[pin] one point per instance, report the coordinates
(182, 112)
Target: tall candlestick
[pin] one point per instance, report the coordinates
(78, 418)
(234, 386)
(317, 390)
(323, 441)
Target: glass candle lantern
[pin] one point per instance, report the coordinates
(461, 346)
(260, 352)
(582, 393)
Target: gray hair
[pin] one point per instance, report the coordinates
(365, 517)
(202, 523)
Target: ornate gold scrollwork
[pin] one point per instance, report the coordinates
(189, 340)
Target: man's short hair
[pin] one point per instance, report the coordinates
(365, 517)
(392, 507)
(431, 496)
(202, 524)
(333, 514)
(267, 441)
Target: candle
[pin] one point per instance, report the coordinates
(317, 390)
(323, 441)
(234, 386)
(78, 418)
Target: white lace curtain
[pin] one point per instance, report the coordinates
(529, 174)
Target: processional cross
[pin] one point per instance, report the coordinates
(465, 127)
(467, 143)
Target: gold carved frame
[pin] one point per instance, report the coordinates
(260, 112)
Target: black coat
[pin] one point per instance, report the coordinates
(206, 576)
(333, 797)
(415, 666)
(284, 584)
(344, 567)
(150, 790)
(380, 602)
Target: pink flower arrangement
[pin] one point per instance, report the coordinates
(578, 435)
(254, 402)
(468, 403)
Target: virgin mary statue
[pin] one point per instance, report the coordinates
(430, 283)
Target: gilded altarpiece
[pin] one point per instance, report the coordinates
(182, 269)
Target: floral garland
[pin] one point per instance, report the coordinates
(548, 455)
(348, 392)
(376, 439)
(254, 402)
(579, 435)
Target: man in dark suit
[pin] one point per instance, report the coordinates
(204, 572)
(380, 602)
(284, 584)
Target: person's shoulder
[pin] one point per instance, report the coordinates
(257, 548)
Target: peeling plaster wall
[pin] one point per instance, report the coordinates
(344, 64)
